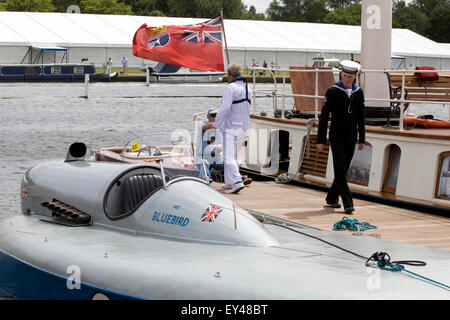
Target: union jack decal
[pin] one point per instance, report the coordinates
(209, 31)
(211, 213)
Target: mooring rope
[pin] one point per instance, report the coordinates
(352, 224)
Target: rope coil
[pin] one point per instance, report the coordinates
(352, 224)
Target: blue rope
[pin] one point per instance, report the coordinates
(352, 224)
(428, 279)
(397, 268)
(383, 261)
(390, 267)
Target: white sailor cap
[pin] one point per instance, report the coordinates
(349, 66)
(212, 112)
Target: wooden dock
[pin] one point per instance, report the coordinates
(305, 206)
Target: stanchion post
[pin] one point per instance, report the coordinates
(86, 86)
(402, 102)
(316, 101)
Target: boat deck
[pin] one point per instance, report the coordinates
(305, 206)
(430, 133)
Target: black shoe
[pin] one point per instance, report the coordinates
(349, 210)
(332, 205)
(246, 180)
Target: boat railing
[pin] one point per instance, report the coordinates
(283, 94)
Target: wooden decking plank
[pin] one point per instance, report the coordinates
(305, 206)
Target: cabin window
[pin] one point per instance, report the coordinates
(359, 171)
(78, 70)
(443, 187)
(55, 70)
(392, 169)
(32, 71)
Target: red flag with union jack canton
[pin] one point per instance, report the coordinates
(197, 46)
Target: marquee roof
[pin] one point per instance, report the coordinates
(90, 30)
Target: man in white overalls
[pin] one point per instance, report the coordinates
(233, 120)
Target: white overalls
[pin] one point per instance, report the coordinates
(233, 120)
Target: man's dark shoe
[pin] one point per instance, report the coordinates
(332, 205)
(246, 180)
(349, 210)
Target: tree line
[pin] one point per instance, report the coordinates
(429, 18)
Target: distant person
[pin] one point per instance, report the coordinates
(263, 72)
(272, 65)
(345, 102)
(109, 65)
(125, 65)
(233, 120)
(254, 65)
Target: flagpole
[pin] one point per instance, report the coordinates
(224, 37)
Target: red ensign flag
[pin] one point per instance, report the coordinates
(197, 46)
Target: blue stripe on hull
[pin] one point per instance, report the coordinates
(22, 280)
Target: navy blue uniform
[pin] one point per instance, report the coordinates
(347, 123)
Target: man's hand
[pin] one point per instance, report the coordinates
(360, 146)
(320, 146)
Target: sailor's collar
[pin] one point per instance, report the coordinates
(340, 85)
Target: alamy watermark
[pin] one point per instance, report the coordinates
(74, 278)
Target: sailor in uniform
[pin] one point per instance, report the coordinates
(233, 120)
(345, 102)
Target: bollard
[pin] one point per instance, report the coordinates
(147, 77)
(86, 85)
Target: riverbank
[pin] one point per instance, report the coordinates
(138, 77)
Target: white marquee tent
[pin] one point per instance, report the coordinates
(284, 43)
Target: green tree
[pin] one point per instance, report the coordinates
(62, 5)
(334, 4)
(426, 6)
(439, 30)
(251, 14)
(104, 7)
(409, 17)
(350, 15)
(232, 9)
(29, 5)
(142, 7)
(156, 13)
(297, 10)
(162, 6)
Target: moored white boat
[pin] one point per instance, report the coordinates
(408, 167)
(169, 73)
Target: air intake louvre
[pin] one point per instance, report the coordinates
(65, 214)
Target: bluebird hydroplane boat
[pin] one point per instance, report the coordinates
(91, 229)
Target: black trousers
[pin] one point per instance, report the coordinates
(342, 150)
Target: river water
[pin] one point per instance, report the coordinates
(39, 121)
